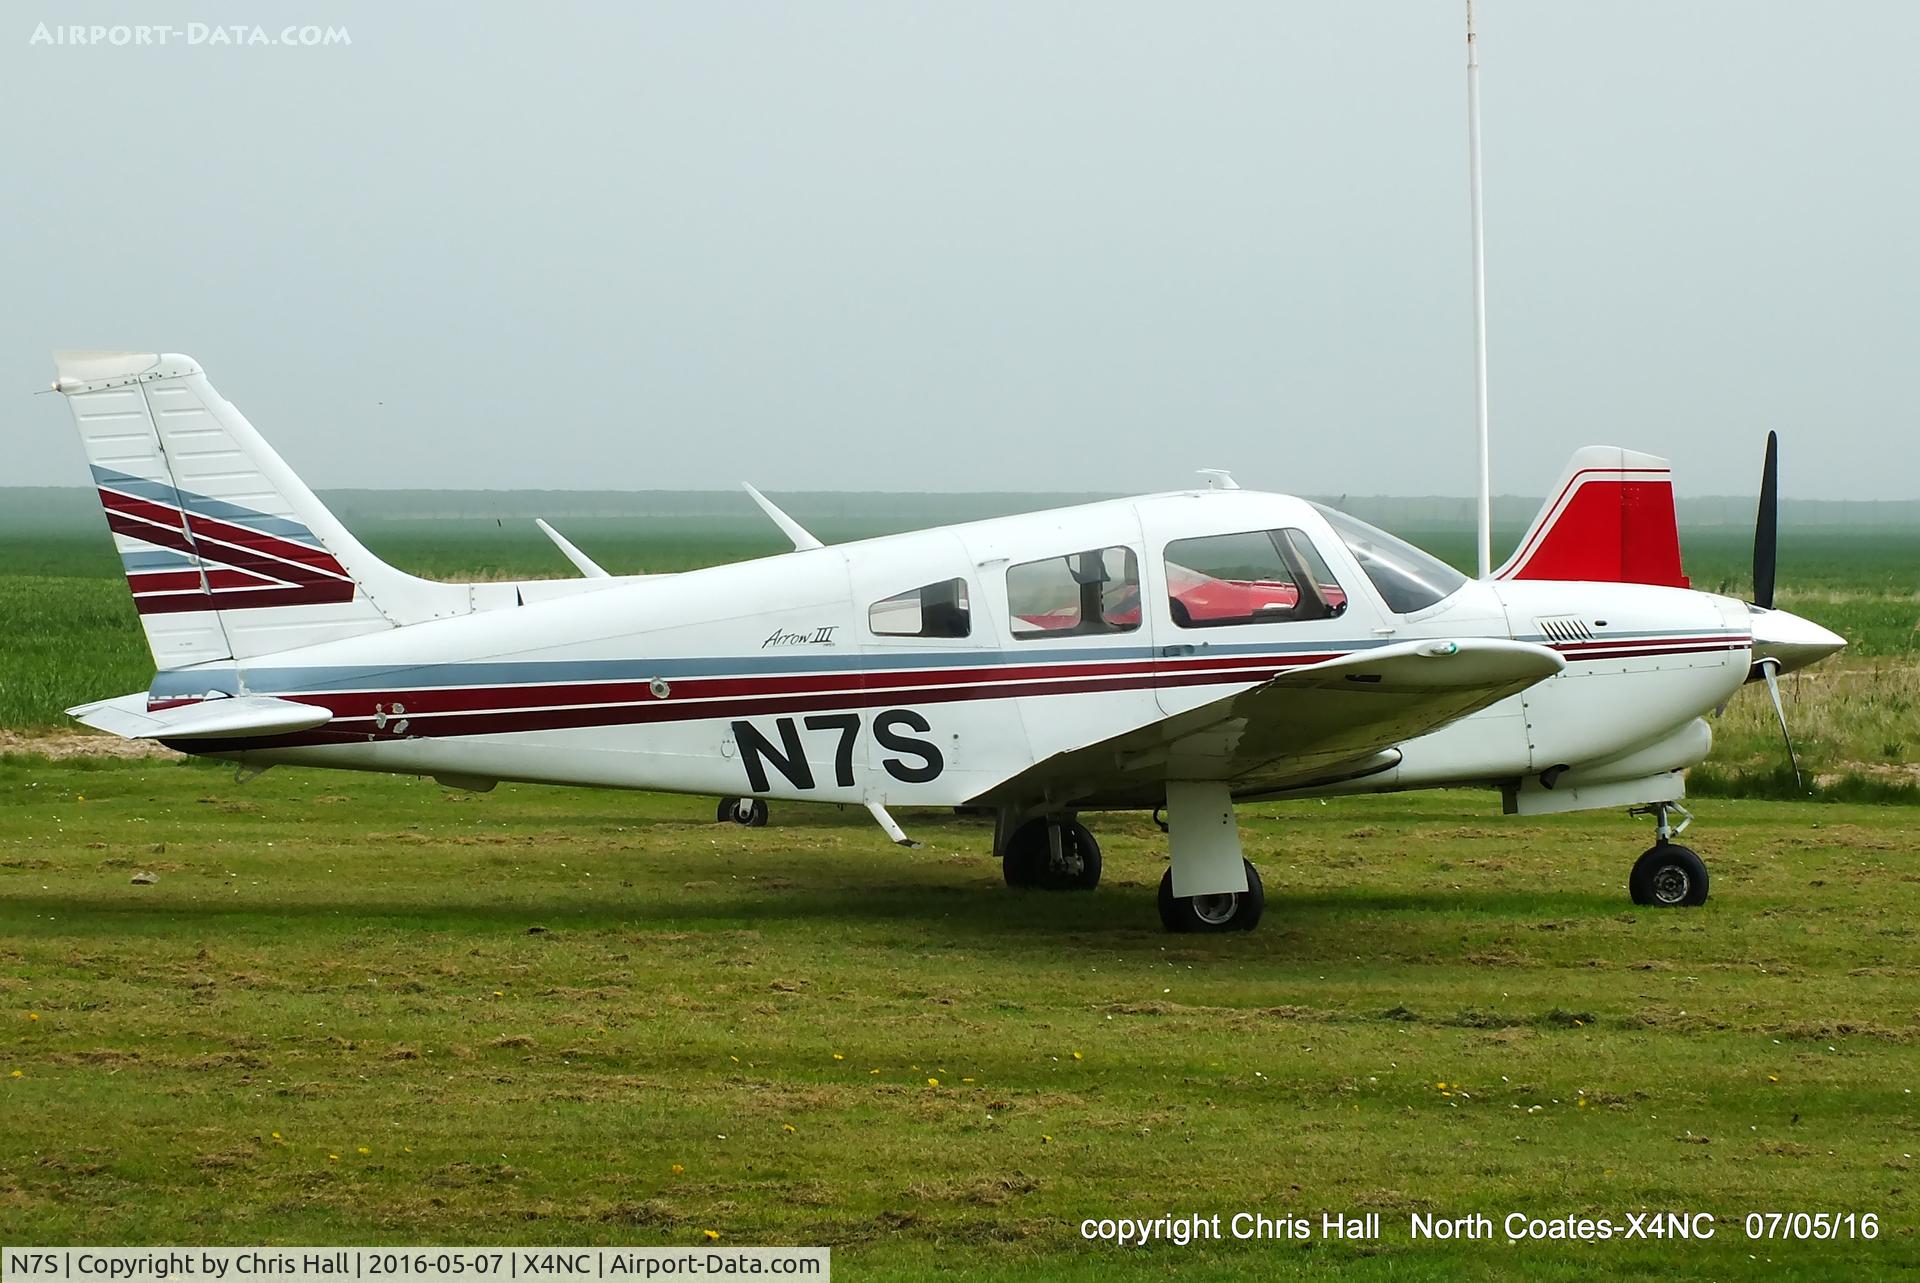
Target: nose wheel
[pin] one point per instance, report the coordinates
(1668, 876)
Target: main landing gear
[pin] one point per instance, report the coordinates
(1224, 911)
(1055, 854)
(748, 811)
(1669, 875)
(1218, 889)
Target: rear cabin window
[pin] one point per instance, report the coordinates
(1259, 577)
(933, 610)
(1081, 594)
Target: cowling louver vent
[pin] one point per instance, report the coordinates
(1564, 628)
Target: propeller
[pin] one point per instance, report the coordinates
(1768, 667)
(1766, 547)
(1766, 526)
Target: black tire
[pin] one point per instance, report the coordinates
(1669, 876)
(729, 812)
(1235, 911)
(1029, 859)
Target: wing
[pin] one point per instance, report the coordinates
(1317, 724)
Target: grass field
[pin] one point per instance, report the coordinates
(358, 1009)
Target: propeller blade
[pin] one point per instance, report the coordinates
(1773, 689)
(1766, 526)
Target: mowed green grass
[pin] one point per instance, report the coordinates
(361, 1009)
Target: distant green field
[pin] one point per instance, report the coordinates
(361, 1009)
(74, 635)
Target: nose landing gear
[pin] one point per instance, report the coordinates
(1669, 875)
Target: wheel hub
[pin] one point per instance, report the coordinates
(1215, 909)
(1671, 884)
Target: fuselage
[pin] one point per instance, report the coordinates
(933, 667)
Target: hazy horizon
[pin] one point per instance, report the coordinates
(63, 509)
(988, 248)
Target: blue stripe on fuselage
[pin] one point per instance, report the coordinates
(194, 681)
(287, 680)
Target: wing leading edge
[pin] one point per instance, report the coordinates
(1331, 720)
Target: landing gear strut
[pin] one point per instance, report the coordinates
(748, 811)
(1668, 875)
(1052, 855)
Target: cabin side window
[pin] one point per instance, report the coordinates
(932, 610)
(1258, 577)
(1081, 594)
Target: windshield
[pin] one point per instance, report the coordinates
(1407, 578)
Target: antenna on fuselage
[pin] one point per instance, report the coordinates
(583, 563)
(792, 529)
(1479, 295)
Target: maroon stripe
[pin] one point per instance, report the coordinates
(160, 536)
(140, 519)
(1666, 650)
(324, 592)
(152, 581)
(145, 581)
(245, 558)
(259, 542)
(145, 509)
(578, 718)
(460, 711)
(440, 700)
(1692, 640)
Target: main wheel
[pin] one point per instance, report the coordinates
(1669, 876)
(749, 811)
(1229, 911)
(1029, 861)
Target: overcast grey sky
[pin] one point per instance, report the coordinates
(1033, 245)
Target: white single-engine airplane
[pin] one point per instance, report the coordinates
(1187, 650)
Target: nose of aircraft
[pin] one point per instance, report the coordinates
(1790, 641)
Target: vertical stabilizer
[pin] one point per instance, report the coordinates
(1610, 520)
(228, 554)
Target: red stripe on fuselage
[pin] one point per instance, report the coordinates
(438, 700)
(457, 711)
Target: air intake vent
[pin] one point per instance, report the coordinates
(1565, 628)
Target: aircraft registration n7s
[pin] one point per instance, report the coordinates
(1179, 652)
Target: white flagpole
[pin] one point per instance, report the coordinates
(1479, 296)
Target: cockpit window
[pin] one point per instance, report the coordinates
(1408, 579)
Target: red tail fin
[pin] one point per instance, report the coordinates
(1610, 520)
